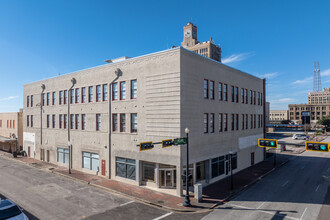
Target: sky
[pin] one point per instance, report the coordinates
(274, 39)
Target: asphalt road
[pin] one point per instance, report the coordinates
(45, 195)
(300, 190)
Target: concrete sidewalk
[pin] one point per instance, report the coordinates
(213, 195)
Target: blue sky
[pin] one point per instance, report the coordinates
(276, 39)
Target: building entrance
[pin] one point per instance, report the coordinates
(167, 178)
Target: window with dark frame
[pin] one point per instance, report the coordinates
(237, 122)
(27, 101)
(65, 124)
(211, 122)
(77, 121)
(206, 89)
(122, 90)
(60, 98)
(71, 96)
(48, 120)
(83, 121)
(243, 121)
(211, 89)
(65, 96)
(133, 122)
(53, 121)
(48, 98)
(114, 91)
(254, 121)
(251, 121)
(246, 96)
(72, 121)
(98, 122)
(105, 92)
(77, 95)
(90, 94)
(242, 95)
(31, 121)
(27, 121)
(98, 93)
(225, 92)
(220, 92)
(246, 121)
(218, 166)
(251, 97)
(114, 122)
(43, 99)
(232, 122)
(60, 121)
(220, 122)
(206, 122)
(254, 97)
(232, 94)
(83, 94)
(236, 94)
(53, 98)
(122, 122)
(31, 101)
(225, 122)
(125, 168)
(133, 89)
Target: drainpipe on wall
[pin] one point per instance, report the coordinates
(73, 81)
(41, 105)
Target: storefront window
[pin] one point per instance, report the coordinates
(125, 168)
(63, 155)
(200, 170)
(148, 171)
(90, 161)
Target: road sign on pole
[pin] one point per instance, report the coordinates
(146, 146)
(180, 141)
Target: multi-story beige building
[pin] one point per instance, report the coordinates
(319, 97)
(11, 127)
(313, 111)
(116, 106)
(277, 116)
(206, 48)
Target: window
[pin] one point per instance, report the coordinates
(83, 121)
(31, 121)
(236, 94)
(232, 122)
(83, 94)
(246, 96)
(77, 95)
(77, 121)
(133, 89)
(60, 119)
(258, 121)
(237, 122)
(122, 123)
(31, 101)
(98, 122)
(53, 121)
(232, 94)
(48, 121)
(218, 166)
(27, 121)
(65, 96)
(27, 101)
(225, 92)
(261, 98)
(212, 123)
(148, 171)
(251, 97)
(225, 122)
(90, 94)
(220, 122)
(220, 91)
(254, 121)
(98, 93)
(115, 91)
(60, 98)
(63, 155)
(43, 99)
(206, 89)
(71, 96)
(206, 122)
(258, 98)
(134, 123)
(125, 168)
(105, 92)
(90, 161)
(72, 121)
(48, 98)
(201, 170)
(243, 121)
(251, 121)
(242, 95)
(122, 90)
(65, 121)
(54, 98)
(211, 89)
(234, 161)
(114, 122)
(254, 97)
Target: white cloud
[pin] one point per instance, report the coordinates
(303, 81)
(268, 75)
(9, 98)
(282, 100)
(325, 72)
(235, 58)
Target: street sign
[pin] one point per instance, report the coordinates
(167, 143)
(146, 146)
(180, 141)
(317, 146)
(272, 143)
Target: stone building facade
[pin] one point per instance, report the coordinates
(276, 116)
(319, 97)
(11, 127)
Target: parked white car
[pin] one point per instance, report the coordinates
(9, 210)
(300, 137)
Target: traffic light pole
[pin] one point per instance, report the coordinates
(186, 202)
(274, 157)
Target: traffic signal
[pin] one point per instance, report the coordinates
(267, 143)
(146, 146)
(317, 146)
(167, 143)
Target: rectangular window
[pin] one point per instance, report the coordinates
(65, 121)
(220, 92)
(232, 94)
(43, 99)
(71, 96)
(254, 122)
(63, 155)
(251, 97)
(27, 121)
(251, 121)
(31, 101)
(258, 121)
(125, 168)
(234, 161)
(148, 171)
(254, 97)
(72, 121)
(77, 95)
(220, 122)
(206, 89)
(133, 89)
(98, 93)
(105, 92)
(31, 121)
(246, 96)
(258, 98)
(212, 123)
(60, 119)
(261, 98)
(225, 122)
(246, 121)
(83, 94)
(133, 122)
(90, 161)
(48, 118)
(115, 91)
(218, 166)
(236, 94)
(53, 121)
(225, 92)
(242, 95)
(206, 122)
(90, 94)
(201, 170)
(114, 122)
(98, 122)
(27, 101)
(243, 121)
(122, 123)
(77, 121)
(211, 89)
(48, 98)
(60, 98)
(54, 98)
(237, 122)
(83, 121)
(122, 90)
(65, 96)
(232, 122)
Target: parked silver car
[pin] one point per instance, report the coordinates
(300, 137)
(9, 210)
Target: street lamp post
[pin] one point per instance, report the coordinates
(186, 202)
(73, 81)
(231, 171)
